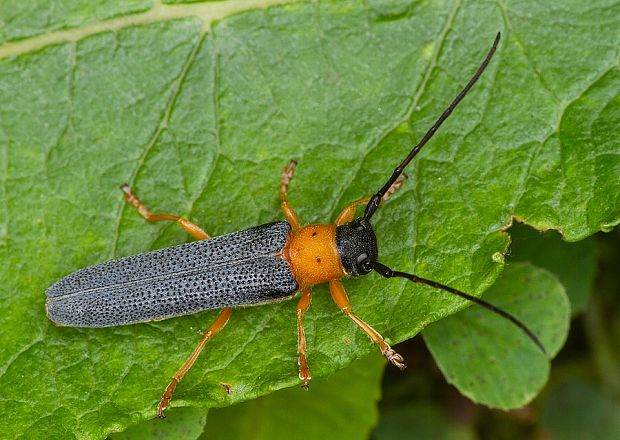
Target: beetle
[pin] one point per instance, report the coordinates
(260, 265)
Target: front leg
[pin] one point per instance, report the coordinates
(287, 209)
(348, 212)
(339, 295)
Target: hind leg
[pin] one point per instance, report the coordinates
(215, 328)
(192, 229)
(220, 322)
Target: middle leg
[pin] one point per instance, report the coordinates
(302, 307)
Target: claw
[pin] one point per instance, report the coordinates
(304, 373)
(161, 408)
(287, 172)
(396, 359)
(165, 399)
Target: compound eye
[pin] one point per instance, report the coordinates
(364, 262)
(366, 265)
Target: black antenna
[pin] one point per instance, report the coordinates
(389, 273)
(373, 204)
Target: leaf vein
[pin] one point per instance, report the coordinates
(416, 99)
(518, 42)
(176, 90)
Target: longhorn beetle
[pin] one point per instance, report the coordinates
(256, 266)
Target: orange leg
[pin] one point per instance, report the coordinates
(190, 228)
(302, 307)
(215, 328)
(348, 212)
(287, 209)
(342, 301)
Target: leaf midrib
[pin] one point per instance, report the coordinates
(207, 13)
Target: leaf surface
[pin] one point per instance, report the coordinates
(199, 116)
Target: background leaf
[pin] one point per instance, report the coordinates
(419, 421)
(590, 356)
(502, 368)
(181, 424)
(576, 409)
(342, 405)
(573, 263)
(200, 116)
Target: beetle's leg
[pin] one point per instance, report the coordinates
(302, 307)
(215, 328)
(342, 301)
(287, 209)
(190, 228)
(348, 212)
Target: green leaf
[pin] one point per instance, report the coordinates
(576, 409)
(489, 359)
(199, 116)
(28, 18)
(181, 424)
(573, 263)
(340, 406)
(420, 421)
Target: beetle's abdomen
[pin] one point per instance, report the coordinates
(242, 268)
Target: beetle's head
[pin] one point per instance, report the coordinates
(357, 246)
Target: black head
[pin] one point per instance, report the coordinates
(357, 245)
